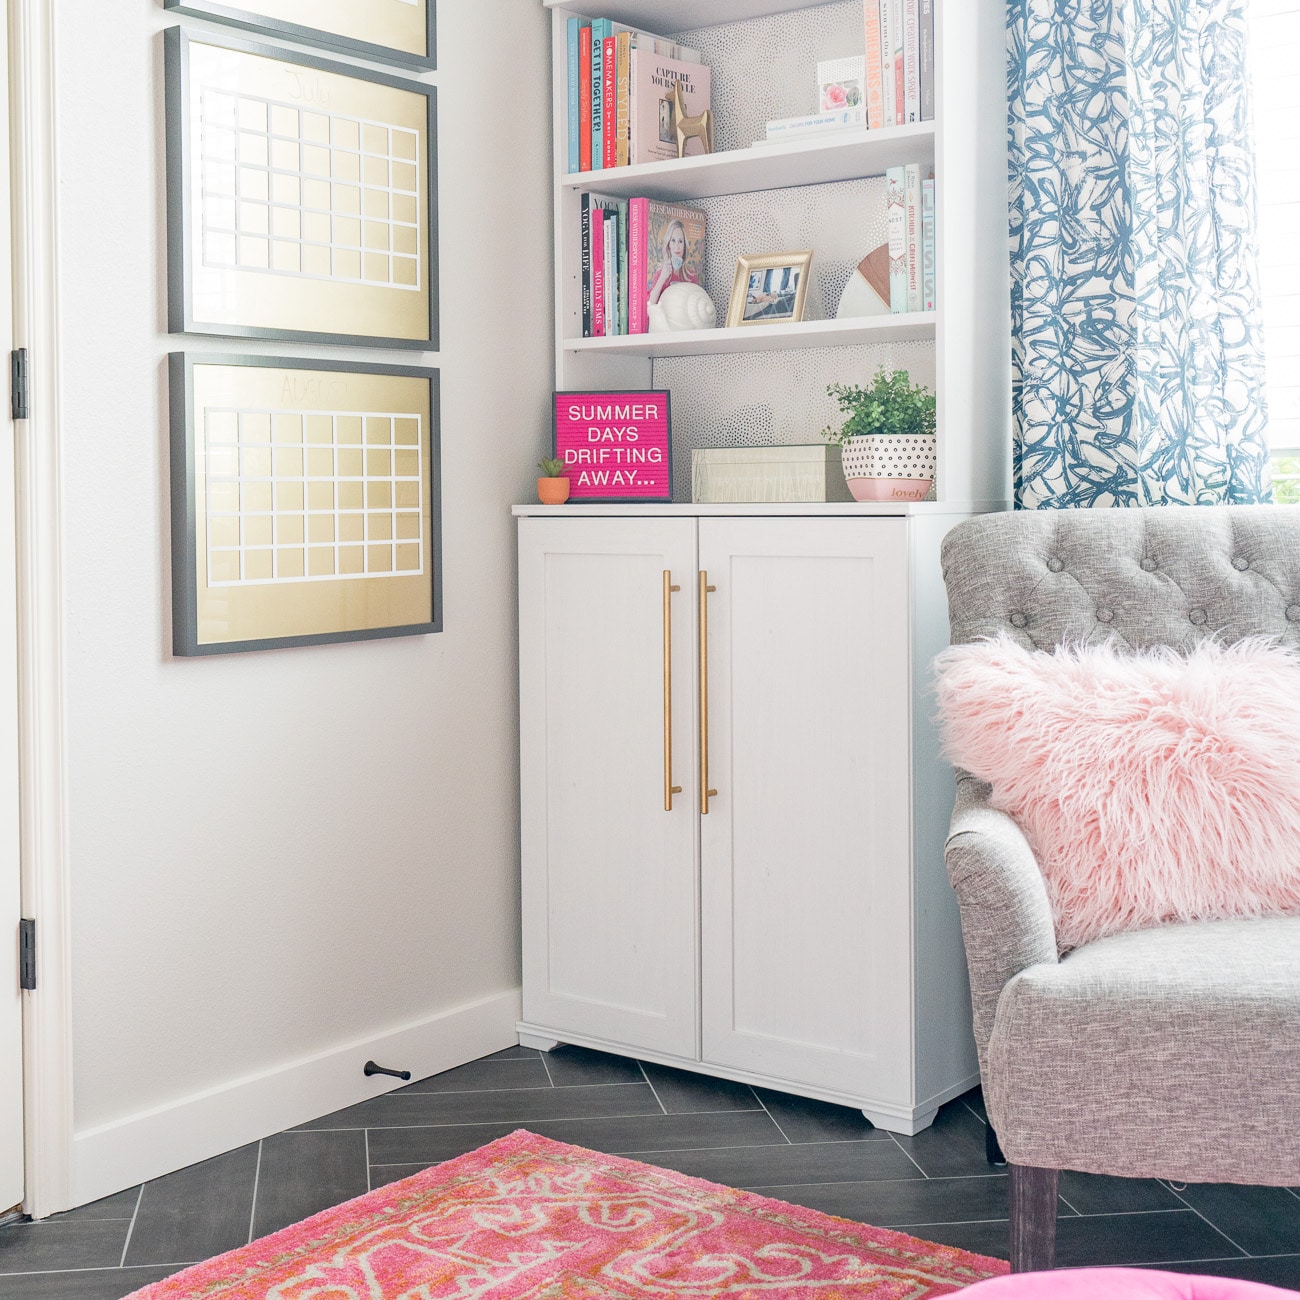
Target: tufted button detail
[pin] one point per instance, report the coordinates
(1241, 563)
(1019, 620)
(1293, 613)
(1105, 615)
(1198, 616)
(1055, 565)
(1148, 564)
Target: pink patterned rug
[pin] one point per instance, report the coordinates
(525, 1218)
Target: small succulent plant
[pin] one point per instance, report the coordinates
(551, 467)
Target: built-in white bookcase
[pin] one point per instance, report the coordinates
(733, 803)
(766, 384)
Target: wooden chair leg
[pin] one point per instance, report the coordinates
(1033, 1218)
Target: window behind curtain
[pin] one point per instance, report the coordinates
(1275, 57)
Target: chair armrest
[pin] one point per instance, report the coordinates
(1006, 920)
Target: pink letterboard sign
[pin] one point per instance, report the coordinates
(615, 446)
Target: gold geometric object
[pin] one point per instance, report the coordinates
(698, 128)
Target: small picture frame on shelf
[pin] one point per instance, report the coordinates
(395, 31)
(769, 289)
(616, 447)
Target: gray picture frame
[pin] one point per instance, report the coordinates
(181, 254)
(250, 21)
(184, 515)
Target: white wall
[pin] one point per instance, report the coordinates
(279, 858)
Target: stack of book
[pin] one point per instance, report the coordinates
(632, 250)
(900, 62)
(909, 223)
(620, 91)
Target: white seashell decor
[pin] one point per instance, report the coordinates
(682, 307)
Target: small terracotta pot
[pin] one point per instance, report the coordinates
(552, 491)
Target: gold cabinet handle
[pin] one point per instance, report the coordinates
(705, 793)
(669, 788)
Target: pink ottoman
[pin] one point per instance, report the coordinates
(1119, 1284)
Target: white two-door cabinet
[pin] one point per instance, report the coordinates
(733, 805)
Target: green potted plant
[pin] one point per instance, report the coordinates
(888, 437)
(553, 485)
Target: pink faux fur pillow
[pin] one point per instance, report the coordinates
(1152, 787)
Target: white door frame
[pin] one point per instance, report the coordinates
(47, 1021)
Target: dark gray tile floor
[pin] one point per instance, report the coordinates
(936, 1185)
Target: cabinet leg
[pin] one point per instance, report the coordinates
(907, 1127)
(539, 1044)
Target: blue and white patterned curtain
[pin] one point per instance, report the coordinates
(1138, 362)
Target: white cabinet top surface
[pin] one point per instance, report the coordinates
(846, 509)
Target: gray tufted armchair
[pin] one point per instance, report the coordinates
(1166, 1053)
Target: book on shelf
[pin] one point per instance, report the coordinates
(597, 271)
(899, 61)
(927, 60)
(875, 102)
(623, 278)
(885, 14)
(584, 98)
(912, 208)
(896, 232)
(928, 260)
(653, 125)
(574, 89)
(782, 129)
(910, 229)
(602, 56)
(611, 272)
(609, 102)
(669, 249)
(623, 97)
(911, 61)
(584, 227)
(600, 28)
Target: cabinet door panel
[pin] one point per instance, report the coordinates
(609, 876)
(805, 866)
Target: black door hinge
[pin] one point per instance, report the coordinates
(18, 384)
(26, 954)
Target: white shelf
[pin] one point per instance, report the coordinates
(765, 167)
(906, 326)
(668, 16)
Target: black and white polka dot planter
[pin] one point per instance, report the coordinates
(890, 467)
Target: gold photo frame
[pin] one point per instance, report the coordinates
(305, 502)
(398, 31)
(769, 289)
(302, 197)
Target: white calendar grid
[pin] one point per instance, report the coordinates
(296, 192)
(312, 496)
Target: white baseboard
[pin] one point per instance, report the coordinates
(114, 1156)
